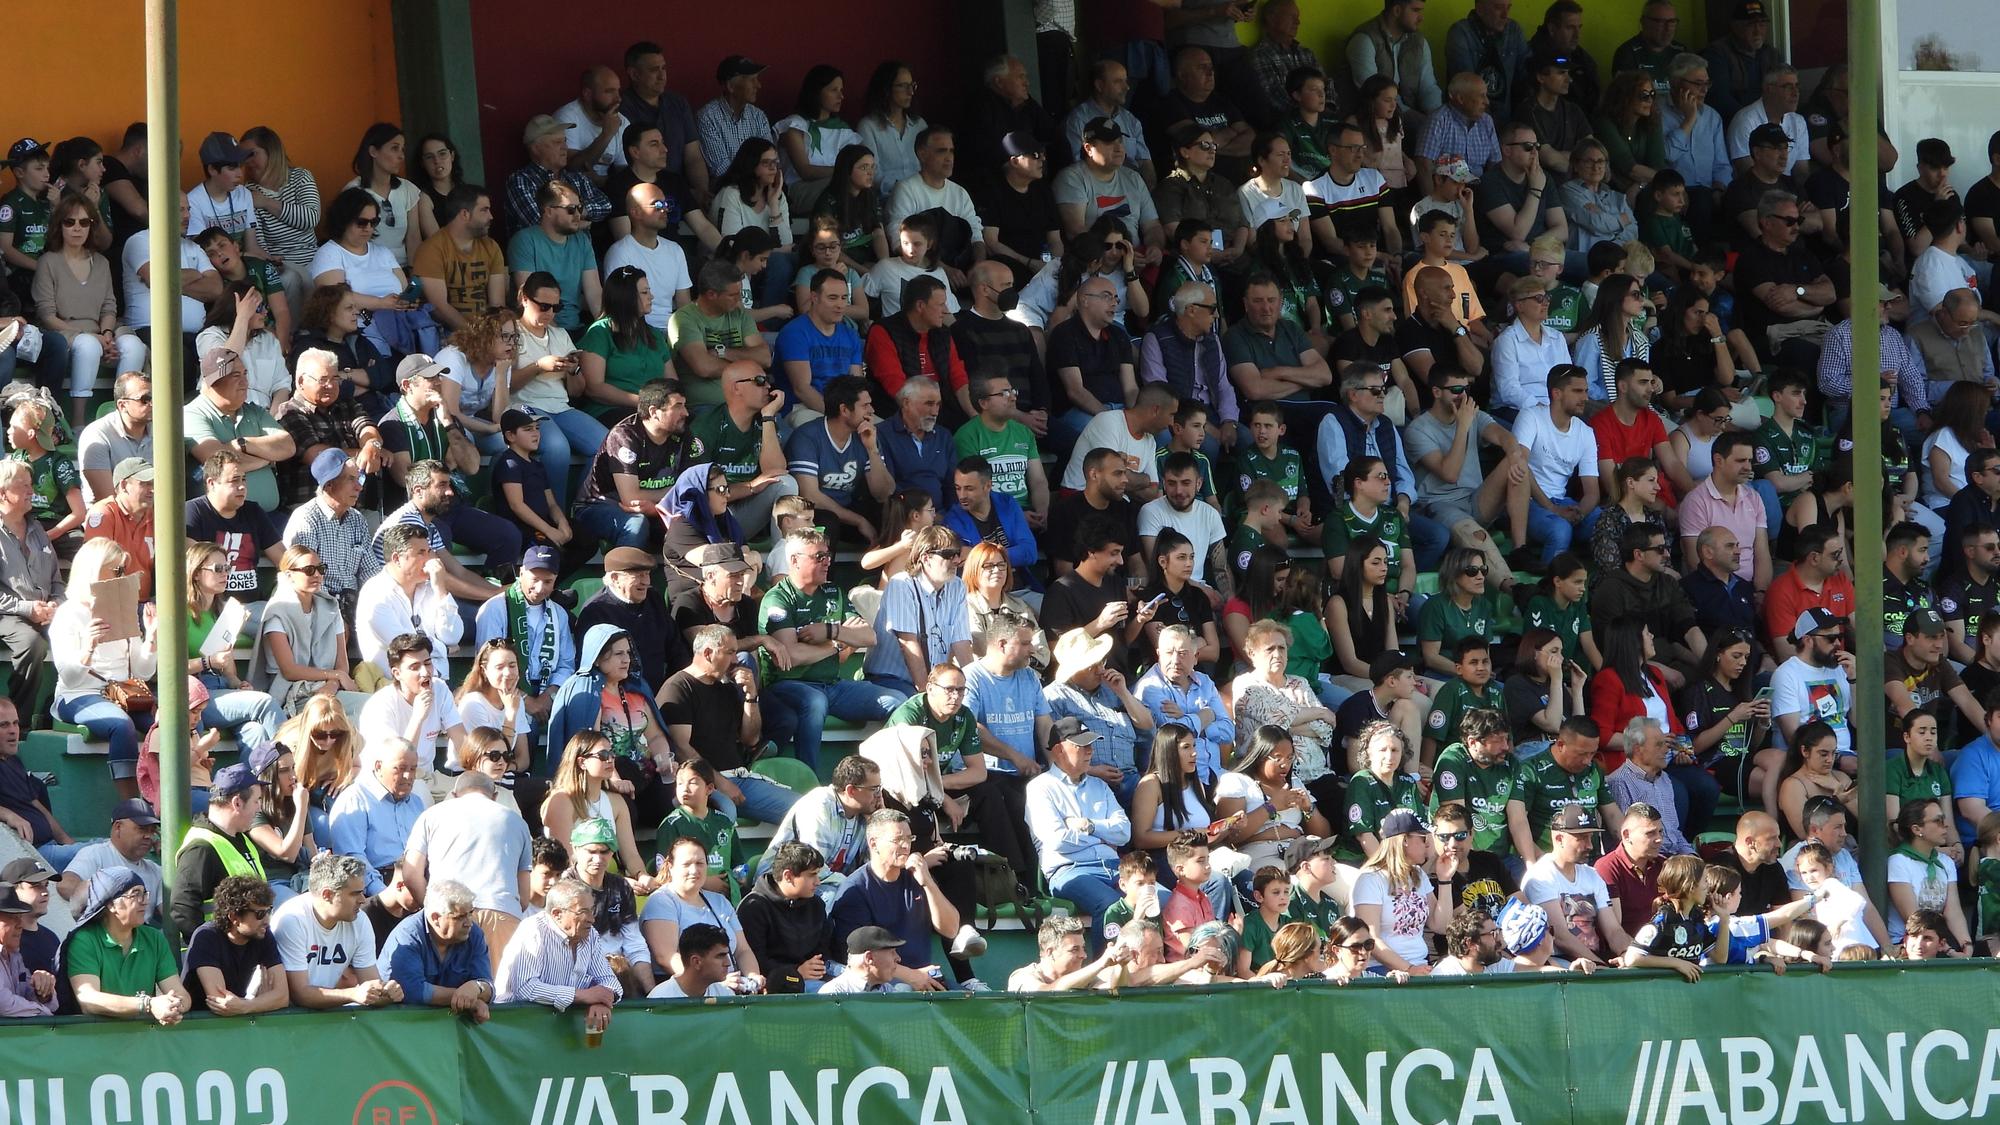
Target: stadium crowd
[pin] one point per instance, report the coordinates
(1307, 519)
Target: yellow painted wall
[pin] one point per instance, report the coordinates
(317, 71)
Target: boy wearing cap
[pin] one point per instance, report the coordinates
(24, 214)
(523, 482)
(220, 199)
(135, 834)
(217, 844)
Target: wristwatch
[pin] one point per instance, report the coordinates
(1801, 290)
(1459, 331)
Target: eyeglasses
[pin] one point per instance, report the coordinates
(1531, 146)
(143, 400)
(755, 381)
(1474, 572)
(994, 568)
(948, 689)
(1209, 306)
(545, 306)
(259, 913)
(77, 222)
(1378, 390)
(1458, 837)
(952, 553)
(1207, 146)
(308, 569)
(1533, 298)
(721, 489)
(819, 556)
(369, 223)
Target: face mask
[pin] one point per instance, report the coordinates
(1007, 298)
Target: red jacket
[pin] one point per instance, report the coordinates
(1611, 707)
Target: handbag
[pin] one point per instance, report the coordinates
(134, 697)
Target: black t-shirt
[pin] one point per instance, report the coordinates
(1213, 114)
(210, 947)
(712, 712)
(38, 950)
(380, 917)
(1759, 264)
(629, 450)
(1829, 191)
(124, 224)
(1484, 884)
(1349, 347)
(19, 792)
(1072, 603)
(1910, 202)
(1023, 218)
(1354, 712)
(1190, 607)
(1067, 513)
(1414, 335)
(691, 611)
(1982, 201)
(1764, 890)
(1702, 705)
(1497, 190)
(244, 537)
(1097, 360)
(1744, 192)
(1523, 698)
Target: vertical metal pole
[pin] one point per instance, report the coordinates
(163, 203)
(1864, 99)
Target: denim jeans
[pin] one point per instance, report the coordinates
(1428, 540)
(796, 710)
(1093, 888)
(1550, 530)
(252, 717)
(51, 366)
(764, 800)
(563, 436)
(608, 523)
(1774, 509)
(106, 722)
(59, 855)
(496, 538)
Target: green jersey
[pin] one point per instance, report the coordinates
(51, 475)
(1287, 470)
(1387, 524)
(1987, 875)
(1442, 620)
(1933, 782)
(1368, 801)
(1009, 450)
(1565, 308)
(1780, 452)
(1343, 287)
(1321, 911)
(1670, 231)
(1483, 790)
(716, 832)
(27, 219)
(264, 275)
(788, 607)
(956, 736)
(1257, 935)
(738, 453)
(1546, 787)
(1242, 542)
(1452, 702)
(1567, 624)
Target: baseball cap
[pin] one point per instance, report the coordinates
(725, 555)
(10, 903)
(542, 125)
(737, 66)
(1883, 293)
(540, 557)
(265, 756)
(1935, 152)
(1020, 142)
(627, 558)
(1750, 10)
(231, 780)
(868, 939)
(1401, 822)
(1457, 169)
(417, 365)
(1924, 621)
(593, 831)
(26, 149)
(1770, 135)
(132, 468)
(1387, 664)
(1574, 818)
(1522, 926)
(517, 416)
(1103, 129)
(215, 363)
(26, 869)
(1544, 59)
(221, 148)
(137, 811)
(1270, 209)
(1070, 729)
(327, 467)
(1812, 621)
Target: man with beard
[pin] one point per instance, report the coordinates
(1573, 895)
(233, 967)
(742, 440)
(1631, 428)
(1816, 683)
(596, 127)
(461, 267)
(650, 247)
(433, 506)
(1178, 507)
(638, 463)
(1754, 855)
(1468, 879)
(1632, 869)
(1472, 947)
(918, 454)
(407, 594)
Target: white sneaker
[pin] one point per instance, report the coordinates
(974, 984)
(968, 943)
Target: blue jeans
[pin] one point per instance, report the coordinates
(1428, 540)
(106, 722)
(59, 855)
(252, 716)
(1093, 888)
(51, 367)
(796, 710)
(563, 436)
(1774, 510)
(764, 800)
(1549, 530)
(608, 523)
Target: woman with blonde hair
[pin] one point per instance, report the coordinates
(328, 755)
(305, 640)
(233, 705)
(587, 786)
(1395, 898)
(478, 373)
(88, 663)
(989, 584)
(287, 201)
(491, 697)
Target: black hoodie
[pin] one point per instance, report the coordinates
(784, 932)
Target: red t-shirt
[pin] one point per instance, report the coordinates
(1617, 441)
(1788, 597)
(1634, 890)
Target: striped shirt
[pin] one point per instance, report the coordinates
(1450, 134)
(541, 966)
(289, 236)
(341, 542)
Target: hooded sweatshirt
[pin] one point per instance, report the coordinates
(580, 701)
(785, 932)
(690, 524)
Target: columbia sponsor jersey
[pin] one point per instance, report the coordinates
(1483, 790)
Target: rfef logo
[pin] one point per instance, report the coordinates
(394, 1103)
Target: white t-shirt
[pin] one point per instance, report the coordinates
(1108, 431)
(475, 388)
(100, 855)
(235, 213)
(387, 715)
(583, 133)
(371, 274)
(665, 267)
(1579, 896)
(885, 282)
(1798, 688)
(1403, 916)
(1844, 913)
(1368, 183)
(1553, 454)
(1750, 116)
(546, 392)
(397, 212)
(139, 296)
(1201, 523)
(475, 712)
(670, 989)
(1257, 205)
(1955, 456)
(1932, 886)
(1935, 273)
(321, 953)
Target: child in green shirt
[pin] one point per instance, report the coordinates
(1272, 892)
(1987, 877)
(694, 783)
(1185, 435)
(1361, 243)
(1663, 229)
(1262, 522)
(1141, 885)
(1267, 458)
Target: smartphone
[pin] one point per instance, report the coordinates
(1215, 238)
(1156, 603)
(1763, 695)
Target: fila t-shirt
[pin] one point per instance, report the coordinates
(321, 953)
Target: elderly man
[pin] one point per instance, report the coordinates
(558, 960)
(134, 837)
(1754, 855)
(372, 818)
(474, 841)
(1184, 351)
(124, 515)
(713, 331)
(333, 528)
(319, 419)
(1696, 144)
(1950, 347)
(410, 591)
(1632, 869)
(1489, 44)
(30, 589)
(233, 967)
(914, 341)
(732, 116)
(126, 431)
(628, 603)
(221, 418)
(1003, 107)
(819, 347)
(1276, 56)
(932, 189)
(439, 957)
(24, 799)
(809, 618)
(1100, 185)
(1178, 695)
(1461, 129)
(916, 451)
(1110, 96)
(899, 891)
(327, 943)
(217, 844)
(1078, 825)
(873, 965)
(118, 966)
(547, 141)
(1644, 779)
(1779, 106)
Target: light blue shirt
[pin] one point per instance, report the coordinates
(938, 618)
(1008, 707)
(1976, 773)
(1702, 158)
(491, 623)
(1333, 454)
(1155, 691)
(1521, 366)
(1104, 715)
(367, 822)
(1052, 799)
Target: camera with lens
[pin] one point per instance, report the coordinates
(965, 853)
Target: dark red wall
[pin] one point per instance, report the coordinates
(523, 71)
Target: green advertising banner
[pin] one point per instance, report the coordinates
(1869, 1043)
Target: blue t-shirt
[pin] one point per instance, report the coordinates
(1976, 773)
(810, 449)
(829, 356)
(530, 250)
(1008, 706)
(899, 907)
(1745, 934)
(512, 468)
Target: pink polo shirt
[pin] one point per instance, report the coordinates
(1705, 508)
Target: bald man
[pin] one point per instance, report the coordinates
(650, 250)
(1755, 855)
(595, 123)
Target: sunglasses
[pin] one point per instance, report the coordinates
(604, 755)
(259, 913)
(143, 400)
(952, 553)
(571, 208)
(1458, 837)
(371, 224)
(1365, 945)
(755, 381)
(1788, 220)
(310, 569)
(325, 735)
(545, 306)
(1378, 390)
(1456, 389)
(76, 222)
(1474, 572)
(495, 756)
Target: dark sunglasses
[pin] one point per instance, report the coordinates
(1459, 836)
(310, 568)
(1474, 572)
(259, 913)
(1365, 945)
(1788, 220)
(571, 208)
(496, 756)
(604, 755)
(369, 223)
(143, 400)
(1456, 388)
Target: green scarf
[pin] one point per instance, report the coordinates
(517, 637)
(421, 440)
(1932, 864)
(833, 122)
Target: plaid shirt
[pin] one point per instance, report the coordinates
(525, 184)
(1836, 366)
(342, 544)
(342, 426)
(722, 134)
(1449, 134)
(1272, 63)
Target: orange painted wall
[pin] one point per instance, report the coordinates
(317, 71)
